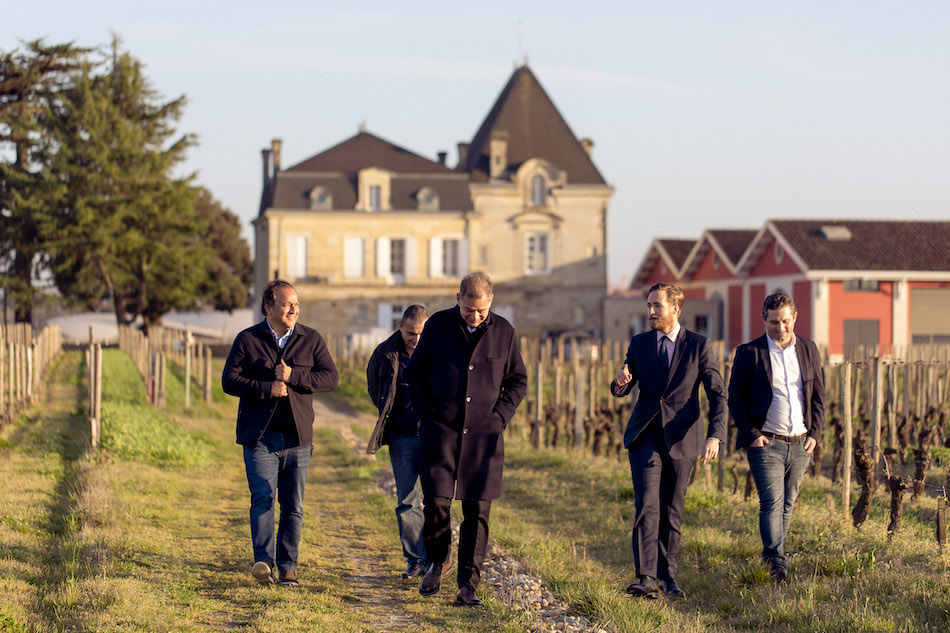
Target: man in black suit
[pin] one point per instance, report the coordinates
(466, 379)
(275, 367)
(777, 399)
(663, 437)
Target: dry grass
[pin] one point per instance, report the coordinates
(107, 544)
(569, 517)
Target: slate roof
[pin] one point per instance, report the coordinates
(535, 129)
(733, 242)
(678, 250)
(337, 169)
(883, 245)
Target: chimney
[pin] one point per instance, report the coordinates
(265, 155)
(463, 156)
(442, 156)
(498, 154)
(275, 145)
(588, 145)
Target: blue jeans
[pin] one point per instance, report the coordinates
(404, 456)
(275, 468)
(777, 469)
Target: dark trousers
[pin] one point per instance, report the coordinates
(473, 535)
(659, 487)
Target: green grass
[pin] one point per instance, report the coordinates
(134, 430)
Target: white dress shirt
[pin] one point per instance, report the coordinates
(786, 413)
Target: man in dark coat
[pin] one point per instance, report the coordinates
(664, 435)
(275, 367)
(777, 400)
(398, 426)
(466, 378)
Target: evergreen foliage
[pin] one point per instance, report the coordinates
(101, 209)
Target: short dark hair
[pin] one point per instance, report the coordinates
(673, 293)
(777, 301)
(476, 285)
(415, 314)
(270, 292)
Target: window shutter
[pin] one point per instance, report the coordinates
(382, 257)
(463, 257)
(384, 315)
(411, 258)
(435, 257)
(353, 257)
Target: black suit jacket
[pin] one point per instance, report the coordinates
(750, 388)
(249, 374)
(676, 400)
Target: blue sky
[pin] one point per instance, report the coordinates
(703, 114)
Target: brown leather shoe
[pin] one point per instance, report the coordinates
(263, 573)
(432, 581)
(465, 597)
(288, 577)
(645, 587)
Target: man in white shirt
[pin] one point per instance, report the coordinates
(777, 400)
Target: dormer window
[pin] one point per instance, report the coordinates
(427, 199)
(538, 191)
(374, 190)
(321, 199)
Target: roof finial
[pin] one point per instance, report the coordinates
(362, 127)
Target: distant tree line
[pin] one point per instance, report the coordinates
(89, 200)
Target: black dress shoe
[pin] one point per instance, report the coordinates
(432, 581)
(465, 597)
(671, 589)
(645, 587)
(413, 570)
(779, 575)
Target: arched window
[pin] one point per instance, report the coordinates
(538, 191)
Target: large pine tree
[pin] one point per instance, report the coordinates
(33, 81)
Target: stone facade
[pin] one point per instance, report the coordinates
(367, 228)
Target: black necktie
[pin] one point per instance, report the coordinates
(663, 361)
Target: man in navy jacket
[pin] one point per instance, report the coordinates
(275, 367)
(664, 435)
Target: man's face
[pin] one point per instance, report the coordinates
(283, 313)
(780, 325)
(411, 331)
(663, 315)
(474, 311)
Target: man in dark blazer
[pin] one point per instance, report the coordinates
(664, 437)
(275, 367)
(777, 399)
(466, 378)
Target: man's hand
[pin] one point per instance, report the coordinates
(623, 376)
(760, 441)
(278, 389)
(810, 444)
(282, 371)
(712, 449)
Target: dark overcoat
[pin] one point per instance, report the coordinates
(676, 399)
(750, 388)
(465, 398)
(249, 374)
